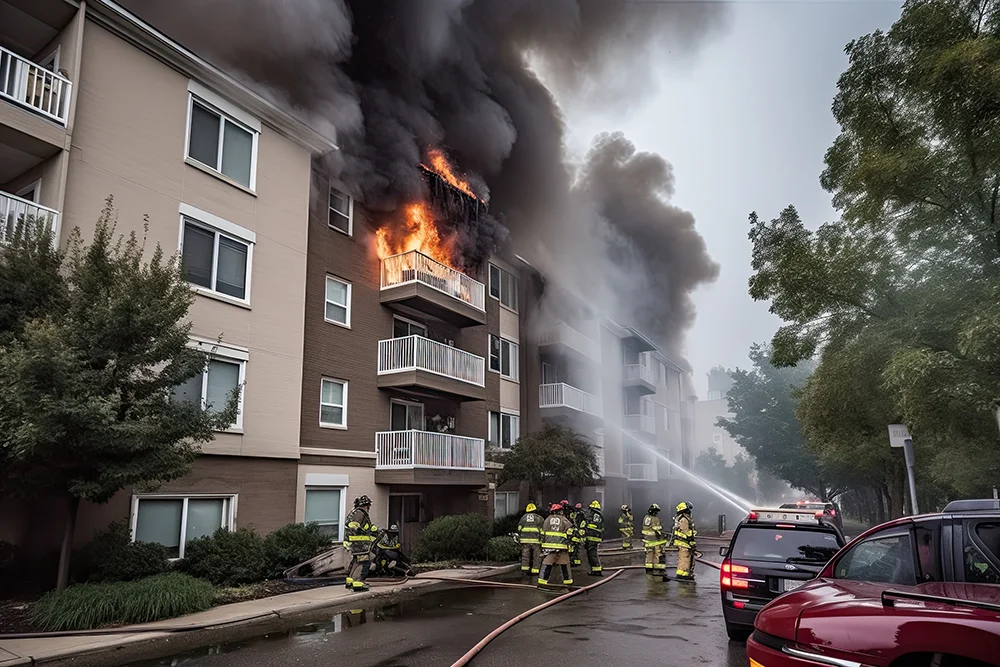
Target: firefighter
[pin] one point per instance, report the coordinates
(653, 540)
(578, 535)
(594, 535)
(685, 538)
(555, 546)
(625, 523)
(529, 536)
(361, 533)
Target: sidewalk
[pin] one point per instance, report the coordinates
(230, 622)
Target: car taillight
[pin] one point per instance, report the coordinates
(740, 569)
(738, 604)
(727, 578)
(833, 512)
(740, 583)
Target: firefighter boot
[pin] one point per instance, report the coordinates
(543, 575)
(567, 577)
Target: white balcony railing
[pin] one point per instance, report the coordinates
(640, 472)
(561, 395)
(416, 267)
(29, 84)
(570, 337)
(639, 372)
(15, 210)
(423, 449)
(642, 423)
(416, 353)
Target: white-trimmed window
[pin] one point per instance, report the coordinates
(333, 403)
(341, 216)
(503, 287)
(506, 503)
(216, 255)
(325, 508)
(226, 371)
(504, 357)
(173, 520)
(222, 137)
(505, 429)
(716, 438)
(338, 301)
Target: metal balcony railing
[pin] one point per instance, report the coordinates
(416, 353)
(31, 85)
(14, 211)
(563, 395)
(640, 472)
(639, 372)
(416, 267)
(570, 337)
(642, 423)
(424, 449)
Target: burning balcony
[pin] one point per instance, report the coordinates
(416, 280)
(564, 340)
(421, 365)
(424, 457)
(640, 376)
(563, 402)
(14, 211)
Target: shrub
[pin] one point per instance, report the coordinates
(226, 558)
(506, 525)
(86, 606)
(113, 556)
(292, 544)
(502, 549)
(460, 536)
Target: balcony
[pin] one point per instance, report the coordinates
(415, 280)
(33, 87)
(641, 377)
(421, 365)
(422, 457)
(564, 340)
(15, 210)
(642, 427)
(640, 472)
(563, 402)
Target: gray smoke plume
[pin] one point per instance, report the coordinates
(397, 77)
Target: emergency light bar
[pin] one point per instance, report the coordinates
(785, 515)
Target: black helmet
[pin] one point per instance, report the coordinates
(654, 509)
(363, 501)
(626, 508)
(393, 528)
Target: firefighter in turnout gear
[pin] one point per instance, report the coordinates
(685, 539)
(625, 526)
(555, 546)
(579, 535)
(529, 534)
(594, 524)
(361, 533)
(654, 541)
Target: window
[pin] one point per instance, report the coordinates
(220, 142)
(341, 215)
(506, 503)
(212, 387)
(981, 551)
(505, 429)
(886, 559)
(926, 536)
(216, 261)
(401, 328)
(550, 374)
(174, 520)
(717, 438)
(406, 416)
(777, 545)
(503, 357)
(333, 403)
(31, 192)
(324, 507)
(503, 286)
(338, 301)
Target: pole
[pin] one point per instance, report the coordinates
(908, 455)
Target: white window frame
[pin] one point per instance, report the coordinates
(515, 359)
(228, 353)
(409, 404)
(220, 227)
(716, 438)
(332, 212)
(228, 113)
(515, 433)
(343, 505)
(507, 495)
(52, 57)
(228, 513)
(502, 271)
(347, 323)
(35, 186)
(322, 424)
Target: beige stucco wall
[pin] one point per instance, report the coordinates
(128, 141)
(510, 395)
(361, 481)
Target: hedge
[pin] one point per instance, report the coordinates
(503, 549)
(113, 556)
(456, 537)
(226, 558)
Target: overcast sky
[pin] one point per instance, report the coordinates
(745, 123)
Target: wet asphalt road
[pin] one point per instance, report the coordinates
(631, 620)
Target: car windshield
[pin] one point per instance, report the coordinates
(781, 545)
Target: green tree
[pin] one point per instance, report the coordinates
(555, 455)
(736, 478)
(86, 372)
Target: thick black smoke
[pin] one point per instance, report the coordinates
(396, 77)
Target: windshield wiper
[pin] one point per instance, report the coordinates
(799, 559)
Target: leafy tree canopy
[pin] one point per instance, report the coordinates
(554, 455)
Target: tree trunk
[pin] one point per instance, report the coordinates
(895, 495)
(72, 508)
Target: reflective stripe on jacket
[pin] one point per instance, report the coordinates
(625, 520)
(595, 526)
(652, 531)
(529, 529)
(684, 532)
(360, 531)
(556, 533)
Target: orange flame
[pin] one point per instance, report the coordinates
(419, 233)
(440, 166)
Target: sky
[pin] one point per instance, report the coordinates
(745, 122)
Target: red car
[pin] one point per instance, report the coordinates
(919, 591)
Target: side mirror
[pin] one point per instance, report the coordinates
(723, 551)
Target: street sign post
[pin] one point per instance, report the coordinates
(899, 436)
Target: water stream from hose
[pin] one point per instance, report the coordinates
(736, 501)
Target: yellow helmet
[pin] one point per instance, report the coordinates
(530, 508)
(594, 504)
(683, 507)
